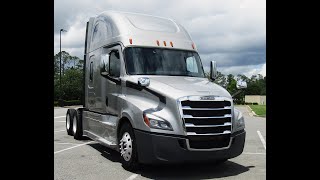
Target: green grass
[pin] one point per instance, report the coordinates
(260, 110)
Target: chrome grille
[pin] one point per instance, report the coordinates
(208, 123)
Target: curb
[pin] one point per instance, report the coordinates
(252, 111)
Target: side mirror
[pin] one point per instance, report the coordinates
(144, 81)
(213, 70)
(241, 84)
(105, 65)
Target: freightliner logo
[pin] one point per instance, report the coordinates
(207, 98)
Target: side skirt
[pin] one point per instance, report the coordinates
(100, 140)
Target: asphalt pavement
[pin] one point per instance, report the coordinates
(86, 159)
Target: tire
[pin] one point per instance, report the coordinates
(77, 125)
(128, 157)
(69, 117)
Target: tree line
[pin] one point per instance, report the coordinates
(256, 85)
(71, 85)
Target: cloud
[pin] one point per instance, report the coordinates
(245, 70)
(263, 70)
(231, 32)
(73, 40)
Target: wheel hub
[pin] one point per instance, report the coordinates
(126, 146)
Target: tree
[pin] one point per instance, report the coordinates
(72, 77)
(259, 76)
(76, 62)
(221, 79)
(253, 78)
(242, 77)
(65, 59)
(80, 63)
(72, 84)
(231, 86)
(256, 85)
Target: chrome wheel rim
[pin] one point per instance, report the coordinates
(126, 146)
(74, 124)
(68, 122)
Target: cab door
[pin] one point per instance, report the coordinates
(90, 87)
(110, 92)
(112, 84)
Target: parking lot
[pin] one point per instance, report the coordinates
(87, 159)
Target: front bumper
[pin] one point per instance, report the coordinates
(159, 148)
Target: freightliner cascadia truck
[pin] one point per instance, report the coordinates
(146, 94)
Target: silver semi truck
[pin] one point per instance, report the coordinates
(146, 94)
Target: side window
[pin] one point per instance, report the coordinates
(103, 30)
(100, 31)
(192, 65)
(91, 71)
(95, 34)
(115, 64)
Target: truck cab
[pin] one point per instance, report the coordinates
(147, 96)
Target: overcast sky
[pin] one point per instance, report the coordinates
(231, 32)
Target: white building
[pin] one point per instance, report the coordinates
(261, 100)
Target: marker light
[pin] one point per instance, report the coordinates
(146, 120)
(164, 42)
(158, 43)
(130, 40)
(171, 43)
(192, 45)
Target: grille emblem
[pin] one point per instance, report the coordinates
(207, 98)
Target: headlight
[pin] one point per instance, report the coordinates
(239, 120)
(156, 122)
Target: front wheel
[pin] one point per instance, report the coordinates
(128, 148)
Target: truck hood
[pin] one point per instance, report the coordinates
(179, 86)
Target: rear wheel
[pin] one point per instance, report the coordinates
(128, 148)
(77, 125)
(69, 121)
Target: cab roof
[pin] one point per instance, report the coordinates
(134, 29)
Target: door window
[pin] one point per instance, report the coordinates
(114, 63)
(192, 65)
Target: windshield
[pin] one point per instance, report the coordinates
(156, 61)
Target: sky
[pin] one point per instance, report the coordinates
(231, 32)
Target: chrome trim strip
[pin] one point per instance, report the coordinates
(212, 117)
(99, 139)
(108, 123)
(211, 149)
(181, 115)
(211, 134)
(198, 98)
(189, 108)
(192, 125)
